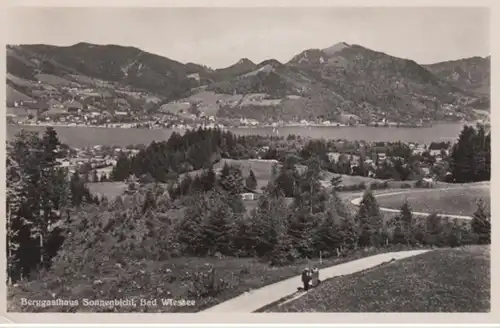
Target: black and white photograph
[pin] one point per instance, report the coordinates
(248, 160)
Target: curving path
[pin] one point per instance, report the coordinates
(357, 201)
(257, 299)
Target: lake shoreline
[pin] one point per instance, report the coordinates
(266, 126)
(83, 136)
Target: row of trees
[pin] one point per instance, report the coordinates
(310, 220)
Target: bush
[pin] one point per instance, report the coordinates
(206, 284)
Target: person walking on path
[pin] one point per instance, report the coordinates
(306, 278)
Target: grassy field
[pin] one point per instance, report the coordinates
(164, 279)
(54, 80)
(424, 283)
(450, 201)
(261, 168)
(263, 173)
(14, 95)
(110, 190)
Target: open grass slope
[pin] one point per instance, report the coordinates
(13, 95)
(259, 299)
(444, 280)
(461, 200)
(110, 190)
(160, 279)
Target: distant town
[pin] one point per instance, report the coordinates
(106, 105)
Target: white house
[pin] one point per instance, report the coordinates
(248, 196)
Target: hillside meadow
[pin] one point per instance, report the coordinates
(424, 283)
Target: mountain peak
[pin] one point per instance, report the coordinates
(244, 61)
(335, 48)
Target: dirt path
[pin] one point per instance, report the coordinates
(257, 299)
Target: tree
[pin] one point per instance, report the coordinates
(94, 176)
(283, 252)
(218, 225)
(336, 181)
(337, 227)
(122, 170)
(406, 222)
(190, 228)
(15, 222)
(34, 202)
(208, 179)
(268, 220)
(231, 179)
(310, 196)
(251, 181)
(208, 226)
(481, 223)
(433, 230)
(329, 235)
(470, 156)
(369, 220)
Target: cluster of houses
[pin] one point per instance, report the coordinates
(97, 158)
(69, 111)
(382, 158)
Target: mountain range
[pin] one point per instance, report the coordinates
(343, 79)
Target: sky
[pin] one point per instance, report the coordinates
(219, 37)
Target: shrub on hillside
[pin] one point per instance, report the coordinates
(481, 223)
(206, 284)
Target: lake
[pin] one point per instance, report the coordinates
(88, 136)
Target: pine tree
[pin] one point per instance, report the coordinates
(208, 179)
(267, 220)
(329, 235)
(283, 252)
(407, 222)
(302, 229)
(15, 199)
(225, 172)
(433, 230)
(369, 220)
(481, 223)
(190, 228)
(122, 170)
(251, 181)
(310, 195)
(218, 225)
(44, 194)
